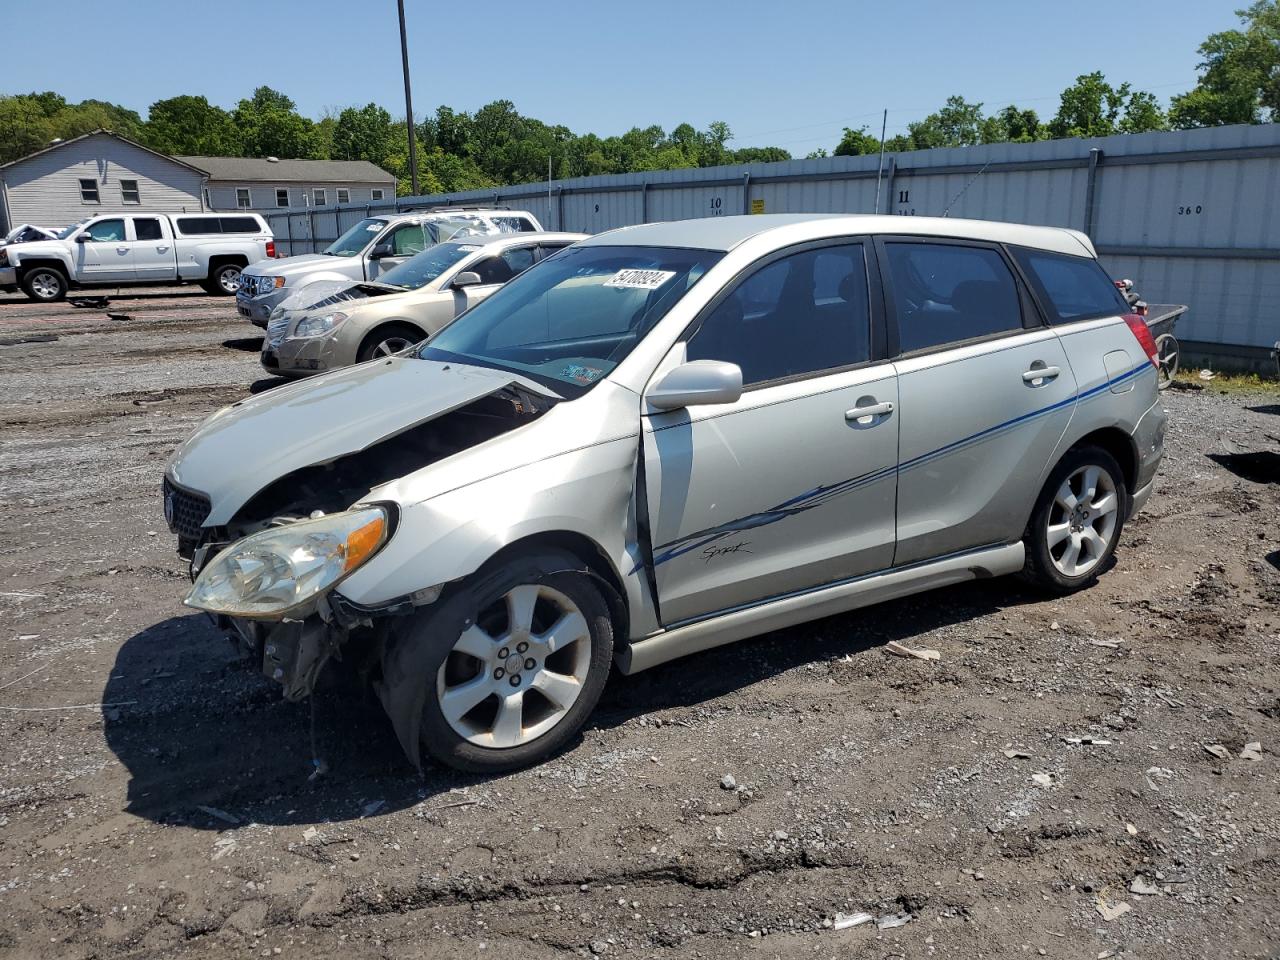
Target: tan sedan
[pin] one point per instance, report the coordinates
(336, 326)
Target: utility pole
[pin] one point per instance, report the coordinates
(408, 102)
(884, 123)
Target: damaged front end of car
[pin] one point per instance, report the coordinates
(268, 575)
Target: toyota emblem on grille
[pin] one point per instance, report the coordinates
(168, 508)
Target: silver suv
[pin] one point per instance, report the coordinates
(367, 250)
(664, 439)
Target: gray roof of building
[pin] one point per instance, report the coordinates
(290, 171)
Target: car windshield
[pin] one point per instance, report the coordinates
(421, 269)
(567, 322)
(68, 231)
(355, 239)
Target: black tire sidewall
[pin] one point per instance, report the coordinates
(27, 285)
(215, 286)
(386, 332)
(424, 641)
(1040, 568)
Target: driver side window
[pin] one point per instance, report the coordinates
(106, 231)
(800, 315)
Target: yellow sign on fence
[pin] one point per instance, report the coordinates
(757, 205)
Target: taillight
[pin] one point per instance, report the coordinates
(1143, 334)
(271, 249)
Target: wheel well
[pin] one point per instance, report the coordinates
(1120, 445)
(26, 266)
(223, 259)
(586, 550)
(376, 331)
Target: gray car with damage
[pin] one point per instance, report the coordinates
(664, 439)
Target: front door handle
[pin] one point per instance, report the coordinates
(1039, 376)
(122, 249)
(163, 249)
(865, 414)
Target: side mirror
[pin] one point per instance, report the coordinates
(696, 382)
(83, 238)
(379, 251)
(467, 278)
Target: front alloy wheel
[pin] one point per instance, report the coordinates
(515, 673)
(503, 669)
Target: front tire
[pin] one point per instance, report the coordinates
(1077, 521)
(44, 284)
(507, 670)
(388, 340)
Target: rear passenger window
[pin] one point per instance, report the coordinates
(799, 315)
(1071, 288)
(513, 225)
(948, 293)
(198, 226)
(146, 229)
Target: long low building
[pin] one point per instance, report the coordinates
(103, 172)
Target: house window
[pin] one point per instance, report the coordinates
(282, 197)
(375, 193)
(129, 192)
(344, 196)
(318, 197)
(205, 194)
(242, 198)
(89, 190)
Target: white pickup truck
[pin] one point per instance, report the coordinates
(139, 248)
(369, 249)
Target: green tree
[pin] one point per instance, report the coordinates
(24, 127)
(957, 124)
(856, 143)
(187, 125)
(1239, 74)
(1091, 107)
(364, 134)
(270, 126)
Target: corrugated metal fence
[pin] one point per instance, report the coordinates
(1190, 216)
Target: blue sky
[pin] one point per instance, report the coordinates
(790, 73)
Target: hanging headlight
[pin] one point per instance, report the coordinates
(274, 572)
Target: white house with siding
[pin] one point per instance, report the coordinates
(98, 172)
(264, 185)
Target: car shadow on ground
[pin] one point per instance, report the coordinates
(268, 383)
(1272, 408)
(247, 344)
(208, 741)
(1259, 467)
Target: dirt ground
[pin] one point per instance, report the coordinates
(154, 793)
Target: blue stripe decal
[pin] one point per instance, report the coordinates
(820, 495)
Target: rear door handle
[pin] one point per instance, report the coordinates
(864, 414)
(1043, 374)
(122, 249)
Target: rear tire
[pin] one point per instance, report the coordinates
(452, 693)
(223, 280)
(45, 284)
(1077, 521)
(387, 340)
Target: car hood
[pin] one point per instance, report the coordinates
(303, 264)
(244, 447)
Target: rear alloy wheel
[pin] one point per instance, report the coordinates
(387, 341)
(508, 668)
(44, 284)
(225, 280)
(1077, 521)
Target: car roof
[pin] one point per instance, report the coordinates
(725, 233)
(445, 213)
(513, 239)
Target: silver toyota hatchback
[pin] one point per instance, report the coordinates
(664, 439)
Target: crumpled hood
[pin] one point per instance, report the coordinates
(244, 447)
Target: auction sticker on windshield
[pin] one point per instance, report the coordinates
(640, 279)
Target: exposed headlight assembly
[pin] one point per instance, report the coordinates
(273, 573)
(319, 326)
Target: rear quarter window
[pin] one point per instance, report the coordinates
(1070, 288)
(208, 226)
